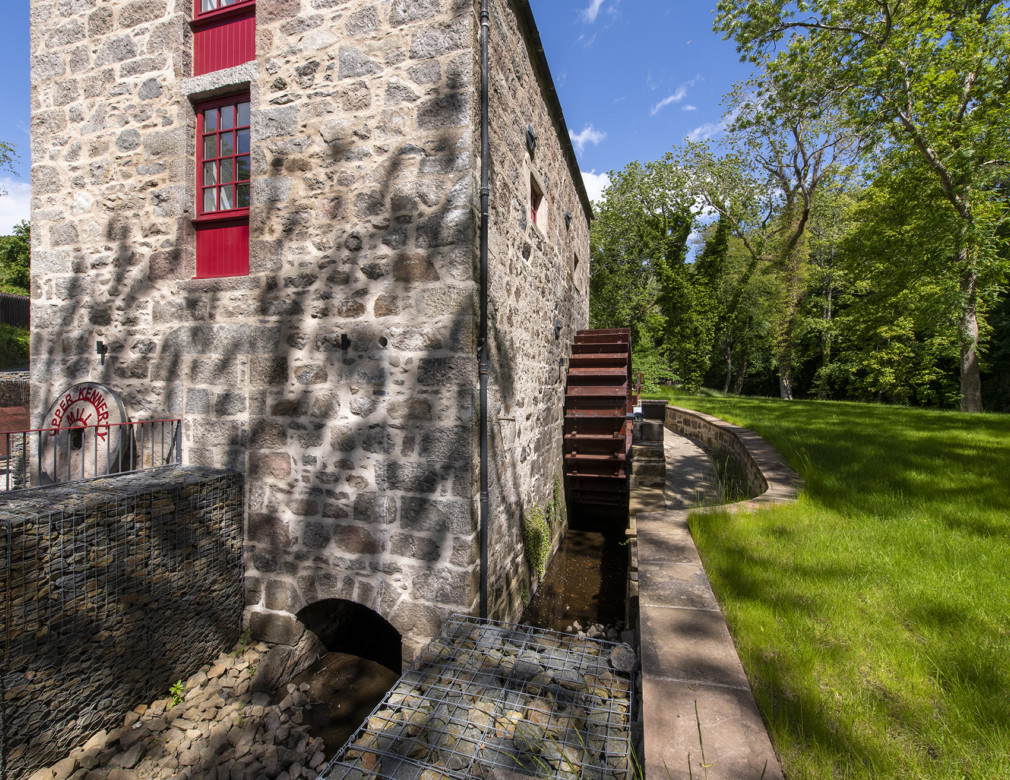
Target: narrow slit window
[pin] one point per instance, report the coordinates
(536, 202)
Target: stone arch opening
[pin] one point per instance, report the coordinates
(348, 627)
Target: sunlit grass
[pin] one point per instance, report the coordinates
(873, 616)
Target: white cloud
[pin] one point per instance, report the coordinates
(595, 183)
(676, 97)
(15, 205)
(689, 107)
(712, 129)
(706, 131)
(589, 14)
(589, 135)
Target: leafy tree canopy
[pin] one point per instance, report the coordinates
(15, 260)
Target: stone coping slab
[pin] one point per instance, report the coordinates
(700, 716)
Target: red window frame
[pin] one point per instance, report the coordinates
(220, 7)
(223, 186)
(223, 152)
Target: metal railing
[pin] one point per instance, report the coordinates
(51, 456)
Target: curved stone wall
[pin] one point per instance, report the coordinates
(756, 471)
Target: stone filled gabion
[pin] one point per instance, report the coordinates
(216, 728)
(111, 590)
(485, 696)
(14, 389)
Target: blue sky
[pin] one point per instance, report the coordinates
(14, 115)
(635, 77)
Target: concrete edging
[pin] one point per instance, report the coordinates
(700, 718)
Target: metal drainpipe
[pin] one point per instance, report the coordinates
(485, 193)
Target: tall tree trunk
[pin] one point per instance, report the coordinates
(729, 370)
(740, 376)
(785, 385)
(971, 380)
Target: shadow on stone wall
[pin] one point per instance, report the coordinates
(356, 428)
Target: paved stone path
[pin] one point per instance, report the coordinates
(690, 475)
(701, 720)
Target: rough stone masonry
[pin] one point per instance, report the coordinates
(340, 373)
(110, 592)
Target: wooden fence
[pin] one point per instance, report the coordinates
(14, 310)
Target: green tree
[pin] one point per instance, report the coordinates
(742, 308)
(15, 260)
(927, 76)
(765, 189)
(639, 240)
(901, 332)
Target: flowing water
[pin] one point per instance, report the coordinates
(586, 582)
(343, 690)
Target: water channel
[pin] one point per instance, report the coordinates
(584, 583)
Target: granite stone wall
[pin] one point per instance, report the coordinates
(340, 375)
(112, 590)
(539, 276)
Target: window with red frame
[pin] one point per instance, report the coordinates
(223, 185)
(206, 6)
(224, 34)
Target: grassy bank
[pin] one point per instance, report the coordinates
(13, 347)
(873, 617)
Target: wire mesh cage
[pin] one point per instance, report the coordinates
(483, 696)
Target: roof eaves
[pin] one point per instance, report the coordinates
(554, 104)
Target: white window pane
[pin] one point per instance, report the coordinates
(243, 196)
(208, 5)
(226, 198)
(208, 200)
(243, 114)
(210, 173)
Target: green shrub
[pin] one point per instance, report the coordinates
(13, 347)
(537, 539)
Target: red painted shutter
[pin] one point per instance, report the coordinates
(222, 249)
(224, 38)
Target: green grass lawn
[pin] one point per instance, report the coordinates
(873, 616)
(13, 347)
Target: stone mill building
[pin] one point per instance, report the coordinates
(269, 213)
